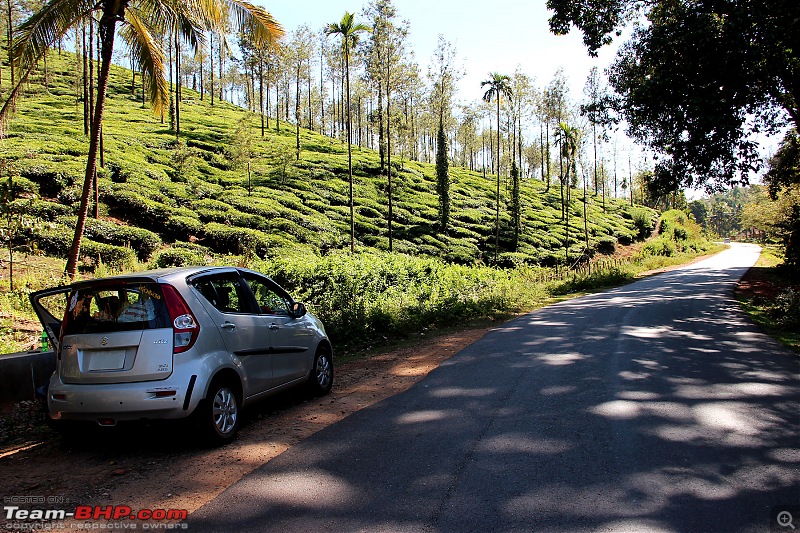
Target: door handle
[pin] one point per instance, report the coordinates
(274, 326)
(228, 325)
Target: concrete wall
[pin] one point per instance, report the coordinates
(22, 373)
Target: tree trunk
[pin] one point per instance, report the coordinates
(133, 78)
(389, 150)
(107, 29)
(177, 87)
(86, 109)
(381, 146)
(46, 75)
(594, 142)
(221, 71)
(211, 66)
(10, 41)
(266, 113)
(171, 94)
(547, 146)
(297, 109)
(321, 91)
(349, 147)
(261, 92)
(310, 114)
(497, 210)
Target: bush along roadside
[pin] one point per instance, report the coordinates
(371, 297)
(770, 295)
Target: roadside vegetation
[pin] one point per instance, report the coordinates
(770, 295)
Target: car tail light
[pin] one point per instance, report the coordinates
(184, 324)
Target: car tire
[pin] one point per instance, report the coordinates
(219, 414)
(320, 381)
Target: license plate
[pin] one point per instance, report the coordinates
(107, 360)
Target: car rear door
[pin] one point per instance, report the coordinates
(50, 305)
(229, 304)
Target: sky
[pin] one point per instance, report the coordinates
(495, 36)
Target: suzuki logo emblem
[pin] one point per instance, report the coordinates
(104, 341)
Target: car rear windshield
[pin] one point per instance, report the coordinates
(115, 307)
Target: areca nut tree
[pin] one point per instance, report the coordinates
(569, 138)
(140, 22)
(499, 85)
(349, 30)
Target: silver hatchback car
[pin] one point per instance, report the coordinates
(180, 342)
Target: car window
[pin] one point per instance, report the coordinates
(119, 307)
(269, 301)
(224, 293)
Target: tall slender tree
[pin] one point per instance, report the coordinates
(384, 61)
(568, 137)
(300, 49)
(499, 86)
(444, 76)
(349, 31)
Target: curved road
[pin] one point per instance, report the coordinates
(653, 407)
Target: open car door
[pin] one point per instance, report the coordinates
(50, 305)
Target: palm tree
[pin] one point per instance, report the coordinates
(349, 31)
(568, 137)
(499, 85)
(140, 22)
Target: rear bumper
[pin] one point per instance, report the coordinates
(174, 397)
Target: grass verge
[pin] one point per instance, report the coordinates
(770, 295)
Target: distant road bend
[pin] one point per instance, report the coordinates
(656, 406)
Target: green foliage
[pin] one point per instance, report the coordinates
(698, 110)
(376, 294)
(783, 180)
(678, 234)
(177, 257)
(607, 245)
(117, 257)
(142, 241)
(660, 246)
(644, 221)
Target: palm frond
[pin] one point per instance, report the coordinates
(147, 53)
(257, 20)
(33, 37)
(212, 13)
(159, 14)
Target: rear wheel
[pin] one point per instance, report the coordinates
(321, 379)
(219, 413)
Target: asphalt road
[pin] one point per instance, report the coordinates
(653, 407)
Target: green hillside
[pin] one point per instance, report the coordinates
(177, 201)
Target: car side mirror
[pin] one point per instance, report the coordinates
(298, 309)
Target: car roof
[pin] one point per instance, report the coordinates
(166, 274)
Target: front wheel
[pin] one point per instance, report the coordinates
(320, 381)
(219, 413)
